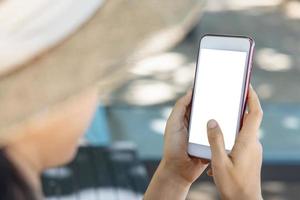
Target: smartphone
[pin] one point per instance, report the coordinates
(220, 89)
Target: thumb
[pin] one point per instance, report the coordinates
(216, 141)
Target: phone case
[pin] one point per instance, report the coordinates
(247, 77)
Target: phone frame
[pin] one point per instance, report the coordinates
(203, 151)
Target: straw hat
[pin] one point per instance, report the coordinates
(119, 33)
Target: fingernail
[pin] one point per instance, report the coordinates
(212, 124)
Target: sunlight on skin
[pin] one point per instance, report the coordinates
(292, 9)
(291, 122)
(271, 60)
(163, 63)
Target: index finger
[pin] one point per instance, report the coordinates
(181, 106)
(254, 116)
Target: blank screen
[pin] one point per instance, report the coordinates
(217, 94)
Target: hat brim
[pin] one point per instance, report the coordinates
(119, 34)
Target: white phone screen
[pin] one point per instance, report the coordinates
(217, 94)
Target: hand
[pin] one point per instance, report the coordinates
(177, 170)
(237, 176)
(175, 158)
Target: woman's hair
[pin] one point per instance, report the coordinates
(13, 186)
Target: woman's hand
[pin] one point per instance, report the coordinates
(237, 176)
(176, 159)
(177, 170)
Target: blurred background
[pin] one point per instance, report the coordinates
(142, 56)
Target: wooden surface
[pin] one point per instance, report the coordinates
(119, 34)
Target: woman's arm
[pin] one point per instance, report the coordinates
(177, 170)
(165, 185)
